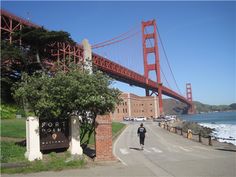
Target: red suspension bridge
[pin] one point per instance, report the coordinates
(64, 54)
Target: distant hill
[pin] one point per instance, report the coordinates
(172, 106)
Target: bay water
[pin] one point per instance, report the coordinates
(223, 123)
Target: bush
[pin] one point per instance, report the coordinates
(65, 94)
(75, 93)
(8, 111)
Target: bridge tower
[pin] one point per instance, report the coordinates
(189, 97)
(147, 51)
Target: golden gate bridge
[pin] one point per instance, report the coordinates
(63, 54)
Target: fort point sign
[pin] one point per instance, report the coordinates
(51, 134)
(54, 134)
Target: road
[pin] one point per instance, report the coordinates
(164, 154)
(168, 154)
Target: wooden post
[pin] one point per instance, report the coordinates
(210, 142)
(200, 137)
(175, 129)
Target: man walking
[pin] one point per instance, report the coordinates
(141, 133)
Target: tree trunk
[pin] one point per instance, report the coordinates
(39, 61)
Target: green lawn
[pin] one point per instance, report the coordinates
(14, 128)
(11, 152)
(116, 127)
(52, 161)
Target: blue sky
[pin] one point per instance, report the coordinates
(199, 38)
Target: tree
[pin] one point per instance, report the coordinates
(27, 57)
(38, 39)
(14, 61)
(75, 93)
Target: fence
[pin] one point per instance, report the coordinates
(191, 135)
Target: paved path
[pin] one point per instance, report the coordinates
(168, 154)
(165, 154)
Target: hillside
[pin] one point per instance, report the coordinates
(172, 106)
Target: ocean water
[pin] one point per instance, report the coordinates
(224, 124)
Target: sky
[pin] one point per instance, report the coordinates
(199, 38)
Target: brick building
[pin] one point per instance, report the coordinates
(134, 106)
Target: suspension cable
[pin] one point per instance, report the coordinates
(114, 38)
(168, 60)
(113, 42)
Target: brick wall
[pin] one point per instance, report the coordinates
(134, 106)
(103, 138)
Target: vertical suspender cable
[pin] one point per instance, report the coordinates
(168, 61)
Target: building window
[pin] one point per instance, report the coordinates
(142, 110)
(125, 103)
(126, 110)
(151, 110)
(151, 104)
(118, 110)
(123, 110)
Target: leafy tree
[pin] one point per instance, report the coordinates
(28, 57)
(14, 61)
(36, 40)
(75, 93)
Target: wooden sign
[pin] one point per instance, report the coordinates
(54, 133)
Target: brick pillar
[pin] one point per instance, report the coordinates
(103, 138)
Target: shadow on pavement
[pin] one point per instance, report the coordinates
(134, 148)
(231, 150)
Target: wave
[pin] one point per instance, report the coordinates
(223, 132)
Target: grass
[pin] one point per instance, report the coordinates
(52, 161)
(116, 127)
(11, 152)
(14, 128)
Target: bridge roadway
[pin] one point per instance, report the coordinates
(165, 154)
(128, 76)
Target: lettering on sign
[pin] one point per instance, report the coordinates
(54, 133)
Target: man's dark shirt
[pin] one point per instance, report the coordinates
(141, 131)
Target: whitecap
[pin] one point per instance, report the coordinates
(223, 132)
